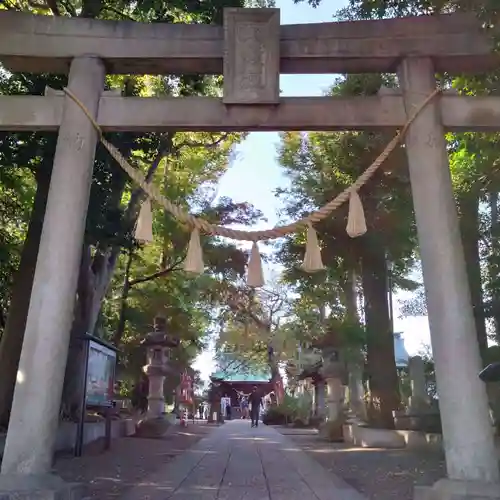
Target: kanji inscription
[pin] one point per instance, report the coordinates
(251, 56)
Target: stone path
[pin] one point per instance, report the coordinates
(236, 462)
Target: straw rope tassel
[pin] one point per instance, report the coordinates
(255, 276)
(356, 223)
(277, 232)
(312, 257)
(194, 259)
(144, 227)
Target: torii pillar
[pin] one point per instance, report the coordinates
(471, 460)
(34, 419)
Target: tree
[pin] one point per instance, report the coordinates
(110, 221)
(471, 161)
(487, 10)
(251, 328)
(320, 165)
(28, 157)
(185, 301)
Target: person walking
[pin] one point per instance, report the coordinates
(224, 403)
(244, 406)
(255, 401)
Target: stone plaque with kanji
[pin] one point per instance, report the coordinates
(251, 56)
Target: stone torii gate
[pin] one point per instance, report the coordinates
(250, 50)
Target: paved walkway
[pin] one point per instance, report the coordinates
(236, 462)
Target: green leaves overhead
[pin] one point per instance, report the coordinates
(130, 283)
(320, 165)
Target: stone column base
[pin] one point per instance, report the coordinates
(332, 430)
(151, 428)
(448, 489)
(44, 487)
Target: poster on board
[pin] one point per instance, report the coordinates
(100, 375)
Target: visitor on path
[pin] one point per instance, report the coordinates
(225, 403)
(243, 403)
(244, 406)
(255, 401)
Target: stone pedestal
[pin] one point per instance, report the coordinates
(334, 398)
(155, 424)
(39, 487)
(214, 410)
(320, 398)
(35, 410)
(156, 397)
(419, 400)
(420, 415)
(333, 372)
(447, 489)
(467, 432)
(356, 390)
(332, 428)
(314, 401)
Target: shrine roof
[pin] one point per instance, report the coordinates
(238, 377)
(241, 374)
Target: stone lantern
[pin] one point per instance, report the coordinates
(158, 345)
(214, 397)
(333, 372)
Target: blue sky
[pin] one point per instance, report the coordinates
(255, 174)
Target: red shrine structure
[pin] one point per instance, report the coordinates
(232, 381)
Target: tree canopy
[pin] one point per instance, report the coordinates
(123, 284)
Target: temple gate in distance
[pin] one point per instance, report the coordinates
(250, 50)
(235, 379)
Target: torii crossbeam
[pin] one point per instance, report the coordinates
(250, 50)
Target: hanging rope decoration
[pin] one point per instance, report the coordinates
(312, 256)
(255, 275)
(144, 226)
(356, 223)
(194, 259)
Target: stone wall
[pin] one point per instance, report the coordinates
(66, 434)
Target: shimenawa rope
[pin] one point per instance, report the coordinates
(356, 225)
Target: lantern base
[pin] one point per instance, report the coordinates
(152, 427)
(39, 487)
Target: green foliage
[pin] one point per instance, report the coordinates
(319, 166)
(16, 194)
(473, 163)
(140, 281)
(486, 10)
(292, 409)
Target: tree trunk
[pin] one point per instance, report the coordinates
(355, 360)
(93, 283)
(12, 338)
(351, 297)
(381, 363)
(91, 291)
(469, 229)
(275, 374)
(120, 329)
(492, 266)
